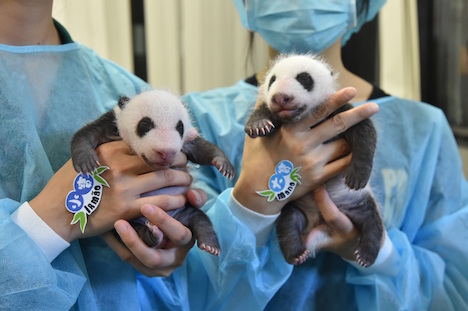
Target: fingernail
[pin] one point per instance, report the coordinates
(350, 92)
(120, 228)
(374, 107)
(197, 197)
(147, 209)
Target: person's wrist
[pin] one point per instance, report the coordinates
(245, 192)
(49, 204)
(56, 217)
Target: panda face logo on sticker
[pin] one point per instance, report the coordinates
(85, 196)
(283, 182)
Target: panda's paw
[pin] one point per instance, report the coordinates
(261, 127)
(365, 258)
(209, 243)
(224, 166)
(299, 258)
(213, 250)
(86, 164)
(356, 179)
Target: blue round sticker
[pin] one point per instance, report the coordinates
(83, 183)
(284, 167)
(74, 201)
(277, 182)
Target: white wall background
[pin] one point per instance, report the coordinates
(195, 45)
(192, 45)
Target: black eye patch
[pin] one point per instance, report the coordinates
(273, 79)
(180, 128)
(144, 126)
(305, 80)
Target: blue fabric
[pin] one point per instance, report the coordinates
(46, 94)
(304, 26)
(419, 183)
(244, 277)
(417, 179)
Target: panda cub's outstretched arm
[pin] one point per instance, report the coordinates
(85, 141)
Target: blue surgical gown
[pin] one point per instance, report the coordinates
(47, 93)
(419, 183)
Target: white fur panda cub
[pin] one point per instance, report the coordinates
(156, 132)
(296, 86)
(155, 124)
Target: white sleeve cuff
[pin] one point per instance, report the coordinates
(386, 254)
(47, 239)
(261, 225)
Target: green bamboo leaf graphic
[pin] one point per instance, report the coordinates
(101, 169)
(267, 193)
(295, 176)
(81, 217)
(101, 180)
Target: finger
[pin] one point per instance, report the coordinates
(334, 168)
(119, 151)
(181, 158)
(330, 212)
(341, 122)
(140, 253)
(161, 179)
(322, 111)
(172, 228)
(197, 197)
(334, 150)
(164, 201)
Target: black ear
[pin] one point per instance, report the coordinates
(123, 100)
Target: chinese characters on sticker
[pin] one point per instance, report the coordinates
(85, 196)
(283, 182)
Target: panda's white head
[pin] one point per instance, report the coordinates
(155, 124)
(296, 84)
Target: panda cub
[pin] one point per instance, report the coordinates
(296, 86)
(155, 124)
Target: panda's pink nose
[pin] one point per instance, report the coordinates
(167, 155)
(281, 99)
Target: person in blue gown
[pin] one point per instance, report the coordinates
(50, 87)
(417, 177)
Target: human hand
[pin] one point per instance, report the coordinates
(342, 234)
(151, 261)
(304, 147)
(128, 178)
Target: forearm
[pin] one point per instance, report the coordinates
(49, 204)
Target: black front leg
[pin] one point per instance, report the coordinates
(204, 152)
(88, 138)
(362, 138)
(261, 122)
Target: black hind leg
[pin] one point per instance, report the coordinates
(202, 229)
(367, 218)
(289, 228)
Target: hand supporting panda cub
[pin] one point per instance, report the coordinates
(297, 87)
(155, 125)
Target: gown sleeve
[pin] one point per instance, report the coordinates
(425, 210)
(28, 279)
(243, 277)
